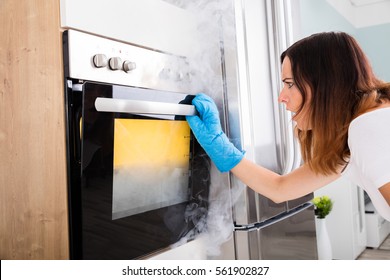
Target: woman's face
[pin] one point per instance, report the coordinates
(292, 97)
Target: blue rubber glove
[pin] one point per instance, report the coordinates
(208, 131)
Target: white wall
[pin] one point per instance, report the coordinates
(375, 40)
(363, 13)
(339, 15)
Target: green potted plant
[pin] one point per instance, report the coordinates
(322, 207)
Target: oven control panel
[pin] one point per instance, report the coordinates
(104, 60)
(115, 63)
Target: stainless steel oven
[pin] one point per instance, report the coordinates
(138, 180)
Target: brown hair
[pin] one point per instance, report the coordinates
(342, 85)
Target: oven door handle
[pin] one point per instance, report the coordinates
(142, 107)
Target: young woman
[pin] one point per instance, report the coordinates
(342, 115)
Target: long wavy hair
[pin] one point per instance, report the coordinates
(343, 86)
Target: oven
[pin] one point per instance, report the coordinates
(138, 181)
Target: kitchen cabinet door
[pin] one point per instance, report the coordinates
(33, 213)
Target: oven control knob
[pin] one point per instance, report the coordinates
(129, 66)
(165, 73)
(179, 76)
(115, 63)
(100, 60)
(188, 77)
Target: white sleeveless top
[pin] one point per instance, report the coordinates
(369, 164)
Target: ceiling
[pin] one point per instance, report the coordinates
(366, 2)
(363, 13)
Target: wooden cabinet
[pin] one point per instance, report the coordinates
(33, 200)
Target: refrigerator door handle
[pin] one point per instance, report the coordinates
(279, 20)
(273, 220)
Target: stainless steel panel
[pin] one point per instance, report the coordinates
(247, 245)
(257, 123)
(264, 129)
(276, 219)
(279, 23)
(251, 105)
(154, 70)
(294, 203)
(291, 239)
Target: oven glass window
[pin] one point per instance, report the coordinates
(151, 165)
(140, 183)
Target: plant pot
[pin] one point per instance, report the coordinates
(324, 247)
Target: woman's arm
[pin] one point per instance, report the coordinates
(207, 129)
(385, 191)
(280, 188)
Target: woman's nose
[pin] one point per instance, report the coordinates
(282, 98)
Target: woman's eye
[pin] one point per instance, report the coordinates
(288, 84)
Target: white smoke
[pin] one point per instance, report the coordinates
(216, 31)
(213, 225)
(216, 26)
(220, 226)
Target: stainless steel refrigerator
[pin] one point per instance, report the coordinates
(263, 128)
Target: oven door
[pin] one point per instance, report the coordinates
(138, 178)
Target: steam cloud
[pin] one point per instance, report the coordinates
(216, 26)
(216, 30)
(215, 224)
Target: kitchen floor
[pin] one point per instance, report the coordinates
(382, 253)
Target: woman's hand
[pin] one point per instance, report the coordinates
(208, 131)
